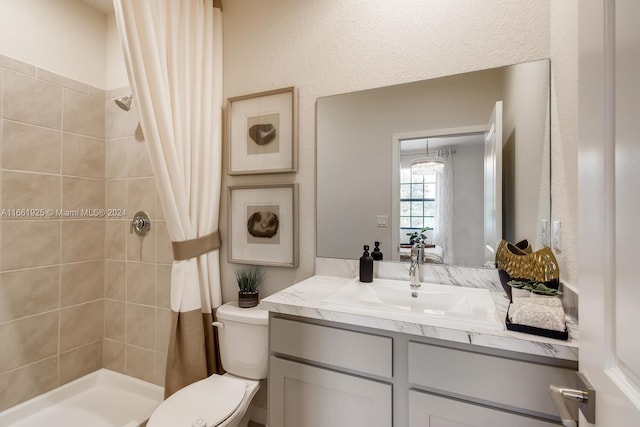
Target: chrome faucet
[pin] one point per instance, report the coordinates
(417, 258)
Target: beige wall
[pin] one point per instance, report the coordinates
(116, 73)
(564, 132)
(54, 34)
(326, 48)
(67, 37)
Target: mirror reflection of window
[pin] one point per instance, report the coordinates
(417, 204)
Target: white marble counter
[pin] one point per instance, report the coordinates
(305, 299)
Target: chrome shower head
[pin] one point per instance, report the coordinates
(124, 102)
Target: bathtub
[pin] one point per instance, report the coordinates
(103, 398)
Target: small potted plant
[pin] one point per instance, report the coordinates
(248, 279)
(418, 236)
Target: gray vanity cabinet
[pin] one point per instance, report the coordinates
(331, 374)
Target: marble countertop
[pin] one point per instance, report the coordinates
(305, 299)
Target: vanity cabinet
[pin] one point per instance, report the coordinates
(330, 374)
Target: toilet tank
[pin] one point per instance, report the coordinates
(244, 340)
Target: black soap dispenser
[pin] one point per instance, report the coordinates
(376, 254)
(366, 266)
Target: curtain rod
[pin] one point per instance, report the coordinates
(437, 152)
(446, 151)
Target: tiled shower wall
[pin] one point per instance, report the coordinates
(52, 267)
(138, 269)
(76, 293)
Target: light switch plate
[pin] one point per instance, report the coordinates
(382, 220)
(556, 242)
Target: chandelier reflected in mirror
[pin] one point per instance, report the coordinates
(427, 165)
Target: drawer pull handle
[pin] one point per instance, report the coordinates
(585, 395)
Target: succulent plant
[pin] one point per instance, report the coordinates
(535, 287)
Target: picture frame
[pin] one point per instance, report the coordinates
(263, 225)
(263, 132)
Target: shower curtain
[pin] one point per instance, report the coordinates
(173, 53)
(443, 232)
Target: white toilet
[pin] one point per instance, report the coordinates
(223, 400)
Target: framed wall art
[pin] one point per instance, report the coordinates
(263, 132)
(263, 225)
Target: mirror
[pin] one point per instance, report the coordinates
(366, 141)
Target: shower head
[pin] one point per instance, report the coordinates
(124, 102)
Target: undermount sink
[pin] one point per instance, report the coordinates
(438, 305)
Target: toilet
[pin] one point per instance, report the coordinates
(223, 400)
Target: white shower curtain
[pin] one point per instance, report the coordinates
(443, 232)
(173, 52)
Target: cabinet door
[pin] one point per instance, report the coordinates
(306, 396)
(427, 410)
(509, 382)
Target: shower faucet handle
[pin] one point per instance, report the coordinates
(140, 224)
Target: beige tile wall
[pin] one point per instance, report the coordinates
(77, 292)
(52, 269)
(137, 269)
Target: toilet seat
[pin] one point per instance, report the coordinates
(213, 399)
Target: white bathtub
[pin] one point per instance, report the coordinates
(101, 399)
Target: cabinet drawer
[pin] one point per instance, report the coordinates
(427, 410)
(507, 382)
(306, 396)
(370, 354)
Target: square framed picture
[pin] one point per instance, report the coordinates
(263, 132)
(263, 225)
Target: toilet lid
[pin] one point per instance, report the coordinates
(213, 399)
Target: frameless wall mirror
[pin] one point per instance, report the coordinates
(489, 131)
